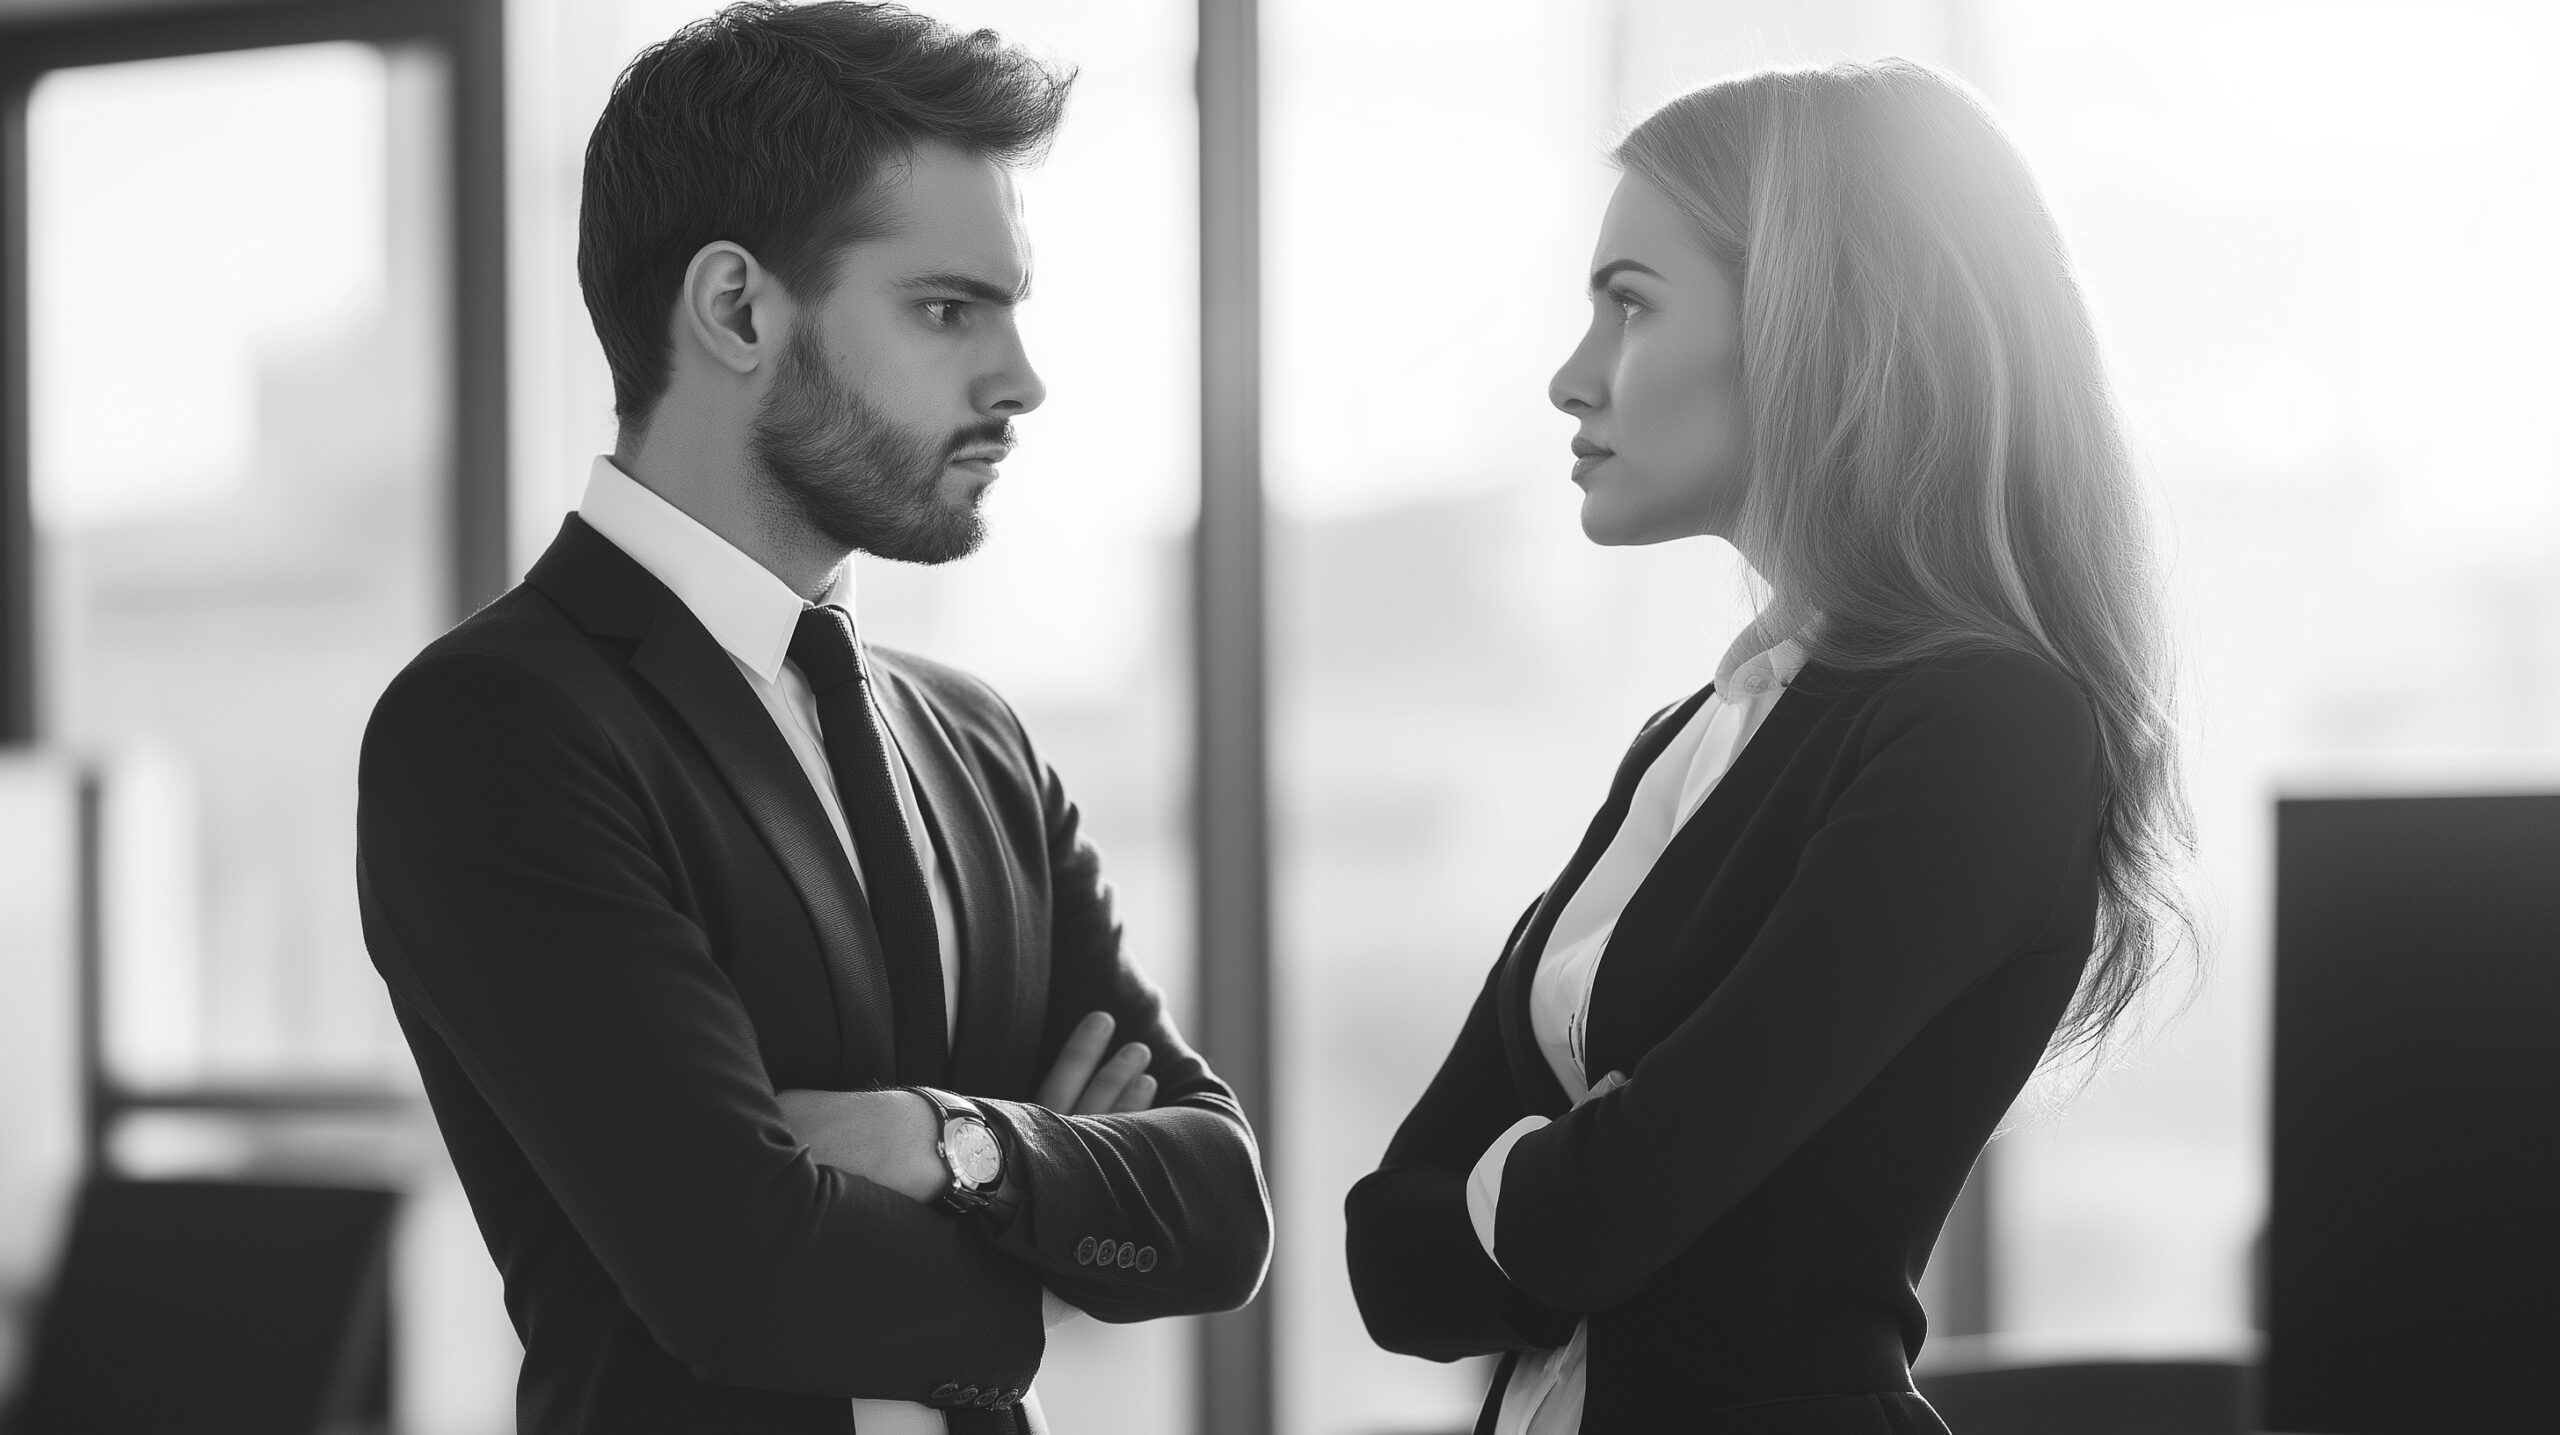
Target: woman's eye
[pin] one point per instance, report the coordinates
(1628, 305)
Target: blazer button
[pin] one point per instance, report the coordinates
(967, 1395)
(1128, 1254)
(1084, 1251)
(990, 1399)
(1103, 1254)
(945, 1390)
(1146, 1258)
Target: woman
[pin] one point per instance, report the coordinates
(1693, 1145)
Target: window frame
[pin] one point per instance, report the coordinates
(469, 34)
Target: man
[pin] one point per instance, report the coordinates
(762, 982)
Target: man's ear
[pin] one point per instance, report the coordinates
(731, 308)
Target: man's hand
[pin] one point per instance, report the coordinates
(1083, 1084)
(886, 1137)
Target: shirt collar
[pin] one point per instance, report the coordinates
(748, 611)
(1763, 672)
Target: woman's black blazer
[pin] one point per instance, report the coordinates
(1830, 988)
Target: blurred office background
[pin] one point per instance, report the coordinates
(2319, 236)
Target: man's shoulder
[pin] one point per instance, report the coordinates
(953, 692)
(968, 708)
(518, 649)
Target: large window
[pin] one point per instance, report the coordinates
(247, 411)
(2319, 239)
(238, 351)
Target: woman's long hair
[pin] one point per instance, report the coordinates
(1936, 460)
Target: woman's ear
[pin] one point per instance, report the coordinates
(730, 308)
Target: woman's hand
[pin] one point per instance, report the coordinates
(1604, 1086)
(1084, 1084)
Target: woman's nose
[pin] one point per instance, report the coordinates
(1575, 387)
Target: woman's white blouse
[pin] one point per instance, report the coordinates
(1546, 1389)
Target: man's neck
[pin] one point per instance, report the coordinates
(717, 486)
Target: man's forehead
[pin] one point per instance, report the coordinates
(954, 206)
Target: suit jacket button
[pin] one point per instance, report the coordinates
(1102, 1254)
(991, 1399)
(945, 1390)
(1146, 1258)
(1128, 1254)
(967, 1394)
(1084, 1251)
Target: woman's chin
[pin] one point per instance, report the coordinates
(1610, 527)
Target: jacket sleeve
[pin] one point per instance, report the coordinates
(1128, 1217)
(517, 905)
(1423, 1281)
(1945, 854)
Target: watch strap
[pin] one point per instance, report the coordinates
(956, 1198)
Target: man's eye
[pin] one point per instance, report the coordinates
(943, 313)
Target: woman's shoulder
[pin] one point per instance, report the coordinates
(2001, 693)
(1988, 675)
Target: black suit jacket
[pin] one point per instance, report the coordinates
(1829, 989)
(614, 920)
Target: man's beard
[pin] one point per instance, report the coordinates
(848, 471)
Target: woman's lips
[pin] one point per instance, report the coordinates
(1584, 463)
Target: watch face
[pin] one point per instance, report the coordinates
(971, 1148)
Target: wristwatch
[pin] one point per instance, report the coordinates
(970, 1150)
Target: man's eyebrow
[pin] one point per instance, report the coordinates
(1601, 276)
(969, 286)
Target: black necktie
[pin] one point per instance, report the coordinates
(823, 648)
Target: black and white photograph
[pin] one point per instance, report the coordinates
(1279, 717)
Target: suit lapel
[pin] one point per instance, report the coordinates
(606, 592)
(1004, 990)
(1540, 1093)
(1624, 994)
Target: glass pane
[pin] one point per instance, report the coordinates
(2328, 315)
(239, 297)
(39, 1058)
(1456, 669)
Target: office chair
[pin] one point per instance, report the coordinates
(214, 1308)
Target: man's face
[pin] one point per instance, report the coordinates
(891, 405)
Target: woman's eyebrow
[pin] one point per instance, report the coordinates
(1601, 276)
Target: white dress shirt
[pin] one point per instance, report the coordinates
(752, 615)
(1547, 1386)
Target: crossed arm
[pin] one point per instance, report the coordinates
(1947, 853)
(887, 1137)
(590, 1056)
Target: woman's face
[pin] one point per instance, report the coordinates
(1656, 381)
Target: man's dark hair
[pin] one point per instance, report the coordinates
(767, 125)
